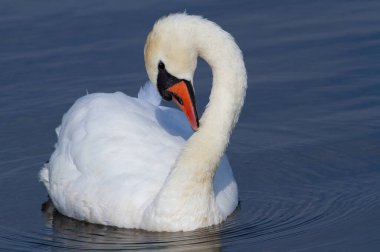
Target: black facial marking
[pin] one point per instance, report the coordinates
(161, 65)
(165, 80)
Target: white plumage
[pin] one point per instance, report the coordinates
(127, 162)
(113, 155)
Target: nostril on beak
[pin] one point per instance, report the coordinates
(179, 100)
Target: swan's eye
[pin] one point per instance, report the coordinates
(161, 66)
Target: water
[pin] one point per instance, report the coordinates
(305, 152)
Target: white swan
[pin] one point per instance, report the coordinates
(131, 163)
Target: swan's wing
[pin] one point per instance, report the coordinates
(113, 153)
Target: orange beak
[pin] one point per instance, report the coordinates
(183, 95)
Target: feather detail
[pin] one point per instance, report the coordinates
(149, 94)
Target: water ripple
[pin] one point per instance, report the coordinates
(261, 215)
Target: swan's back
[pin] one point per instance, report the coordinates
(113, 155)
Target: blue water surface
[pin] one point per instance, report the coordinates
(305, 152)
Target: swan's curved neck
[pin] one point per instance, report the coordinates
(226, 99)
(202, 153)
(190, 183)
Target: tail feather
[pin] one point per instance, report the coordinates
(44, 175)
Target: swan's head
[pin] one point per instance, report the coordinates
(170, 59)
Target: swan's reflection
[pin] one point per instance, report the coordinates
(69, 233)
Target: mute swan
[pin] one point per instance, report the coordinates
(130, 163)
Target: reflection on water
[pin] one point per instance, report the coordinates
(305, 152)
(261, 216)
(71, 233)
